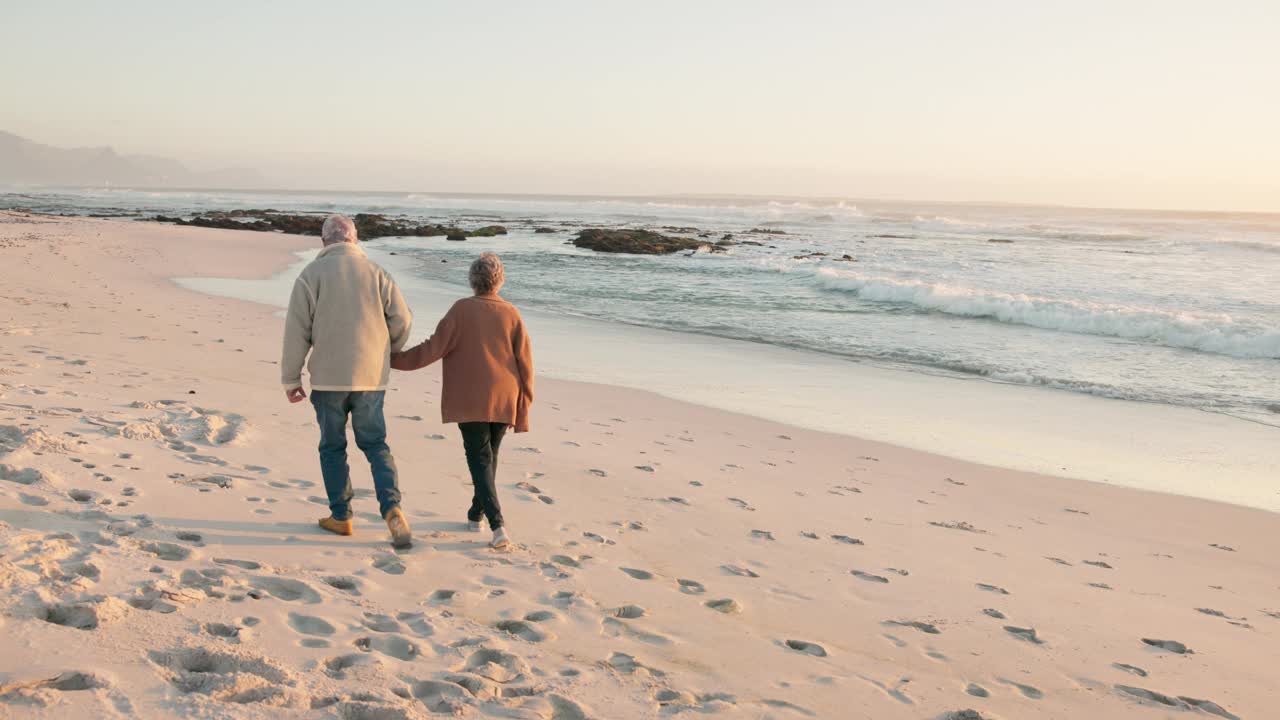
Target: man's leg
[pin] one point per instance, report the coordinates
(479, 450)
(370, 429)
(331, 415)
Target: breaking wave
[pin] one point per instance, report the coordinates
(1213, 334)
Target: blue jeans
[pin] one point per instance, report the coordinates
(365, 408)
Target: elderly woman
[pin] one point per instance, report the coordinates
(488, 381)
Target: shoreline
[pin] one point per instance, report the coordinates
(159, 496)
(1048, 431)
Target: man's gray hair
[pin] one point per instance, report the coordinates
(487, 274)
(338, 228)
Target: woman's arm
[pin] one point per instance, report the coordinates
(431, 349)
(524, 359)
(524, 364)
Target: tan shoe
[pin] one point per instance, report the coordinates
(338, 527)
(401, 535)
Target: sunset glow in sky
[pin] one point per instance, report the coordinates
(1122, 103)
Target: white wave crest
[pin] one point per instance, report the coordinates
(1218, 334)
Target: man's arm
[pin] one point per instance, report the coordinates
(297, 340)
(399, 317)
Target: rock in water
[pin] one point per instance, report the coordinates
(640, 242)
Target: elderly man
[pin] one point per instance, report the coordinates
(348, 313)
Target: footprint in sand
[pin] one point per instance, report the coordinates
(337, 667)
(846, 540)
(808, 648)
(992, 612)
(630, 612)
(242, 564)
(612, 627)
(381, 623)
(958, 525)
(528, 487)
(692, 587)
(497, 665)
(1172, 646)
(728, 606)
(739, 571)
(1027, 691)
(977, 691)
(389, 645)
(1028, 634)
(286, 589)
(598, 472)
(629, 665)
(638, 574)
(310, 625)
(418, 623)
(388, 563)
(84, 615)
(594, 537)
(924, 627)
(743, 504)
(869, 577)
(227, 632)
(166, 551)
(191, 537)
(1131, 669)
(524, 631)
(540, 616)
(991, 588)
(762, 535)
(440, 698)
(442, 597)
(344, 583)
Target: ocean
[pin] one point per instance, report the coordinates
(1173, 310)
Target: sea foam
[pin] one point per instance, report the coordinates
(1206, 333)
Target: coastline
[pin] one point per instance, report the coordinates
(1047, 431)
(718, 483)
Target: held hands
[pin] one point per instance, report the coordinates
(296, 395)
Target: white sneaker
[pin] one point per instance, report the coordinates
(474, 525)
(500, 539)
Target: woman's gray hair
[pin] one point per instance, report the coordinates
(487, 274)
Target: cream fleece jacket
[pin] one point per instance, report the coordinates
(348, 313)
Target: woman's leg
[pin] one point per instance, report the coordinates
(480, 457)
(493, 509)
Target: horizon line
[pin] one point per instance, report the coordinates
(650, 196)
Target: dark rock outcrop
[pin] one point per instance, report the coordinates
(368, 226)
(488, 231)
(766, 231)
(639, 242)
(545, 230)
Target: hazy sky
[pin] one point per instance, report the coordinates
(1113, 103)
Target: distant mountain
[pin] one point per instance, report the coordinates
(24, 162)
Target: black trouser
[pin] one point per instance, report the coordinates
(481, 441)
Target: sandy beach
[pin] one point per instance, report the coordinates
(159, 555)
